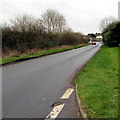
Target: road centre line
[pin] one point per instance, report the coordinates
(67, 93)
(54, 113)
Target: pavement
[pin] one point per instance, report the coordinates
(34, 88)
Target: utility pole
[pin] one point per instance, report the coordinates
(119, 11)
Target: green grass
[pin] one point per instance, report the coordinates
(98, 84)
(46, 52)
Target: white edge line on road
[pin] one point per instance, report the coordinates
(54, 113)
(67, 93)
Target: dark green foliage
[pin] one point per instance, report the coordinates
(91, 35)
(109, 27)
(112, 35)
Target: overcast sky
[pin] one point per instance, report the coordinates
(81, 15)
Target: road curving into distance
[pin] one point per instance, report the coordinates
(30, 88)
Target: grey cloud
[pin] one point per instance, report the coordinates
(81, 15)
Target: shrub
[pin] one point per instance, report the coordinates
(112, 37)
(72, 38)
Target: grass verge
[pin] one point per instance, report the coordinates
(98, 84)
(38, 54)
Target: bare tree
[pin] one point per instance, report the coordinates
(106, 22)
(53, 21)
(24, 23)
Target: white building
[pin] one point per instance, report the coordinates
(99, 37)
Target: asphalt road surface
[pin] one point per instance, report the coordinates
(30, 88)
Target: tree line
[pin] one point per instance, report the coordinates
(27, 32)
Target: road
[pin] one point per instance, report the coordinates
(30, 88)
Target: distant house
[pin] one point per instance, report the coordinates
(99, 37)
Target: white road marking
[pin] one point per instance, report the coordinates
(57, 109)
(67, 93)
(54, 113)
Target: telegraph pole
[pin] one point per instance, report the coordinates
(119, 11)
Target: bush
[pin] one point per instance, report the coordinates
(72, 38)
(51, 40)
(112, 37)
